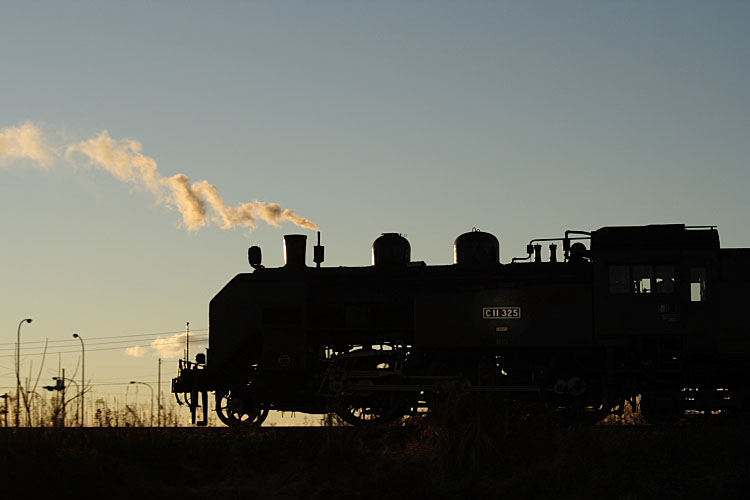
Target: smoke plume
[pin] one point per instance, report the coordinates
(24, 142)
(135, 352)
(198, 202)
(167, 347)
(174, 346)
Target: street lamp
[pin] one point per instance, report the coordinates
(18, 368)
(83, 378)
(152, 399)
(60, 387)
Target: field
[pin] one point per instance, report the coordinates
(485, 457)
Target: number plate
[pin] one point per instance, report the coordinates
(501, 312)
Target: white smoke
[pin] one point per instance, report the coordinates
(24, 142)
(168, 347)
(192, 207)
(198, 202)
(135, 352)
(174, 346)
(123, 159)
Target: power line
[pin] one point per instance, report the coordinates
(40, 352)
(129, 377)
(119, 383)
(200, 339)
(155, 334)
(193, 337)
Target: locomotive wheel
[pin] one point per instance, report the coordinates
(586, 409)
(366, 408)
(578, 401)
(360, 405)
(661, 407)
(743, 405)
(577, 414)
(239, 409)
(366, 413)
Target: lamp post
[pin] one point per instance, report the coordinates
(60, 386)
(18, 368)
(152, 399)
(83, 378)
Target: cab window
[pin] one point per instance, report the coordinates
(664, 279)
(619, 279)
(698, 284)
(641, 276)
(641, 279)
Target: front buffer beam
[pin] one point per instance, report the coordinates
(192, 383)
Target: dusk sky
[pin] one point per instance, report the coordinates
(521, 118)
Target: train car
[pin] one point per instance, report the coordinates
(650, 311)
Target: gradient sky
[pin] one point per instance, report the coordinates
(429, 118)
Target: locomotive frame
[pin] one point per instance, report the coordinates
(653, 311)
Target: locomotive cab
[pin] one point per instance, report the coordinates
(654, 283)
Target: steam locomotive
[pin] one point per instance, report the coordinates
(655, 312)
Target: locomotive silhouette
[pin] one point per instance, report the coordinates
(655, 311)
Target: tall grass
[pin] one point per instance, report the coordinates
(466, 448)
(47, 411)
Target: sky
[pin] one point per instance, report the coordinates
(145, 145)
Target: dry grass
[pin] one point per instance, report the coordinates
(466, 451)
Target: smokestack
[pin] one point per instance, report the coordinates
(318, 253)
(537, 253)
(294, 250)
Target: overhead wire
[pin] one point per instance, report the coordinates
(154, 334)
(24, 350)
(180, 341)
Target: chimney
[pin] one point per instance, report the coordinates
(294, 250)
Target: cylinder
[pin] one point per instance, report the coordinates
(476, 249)
(294, 250)
(391, 250)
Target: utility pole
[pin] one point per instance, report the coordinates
(26, 396)
(187, 342)
(158, 398)
(63, 397)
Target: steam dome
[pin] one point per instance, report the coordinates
(476, 249)
(391, 249)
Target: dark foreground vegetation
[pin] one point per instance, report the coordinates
(465, 455)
